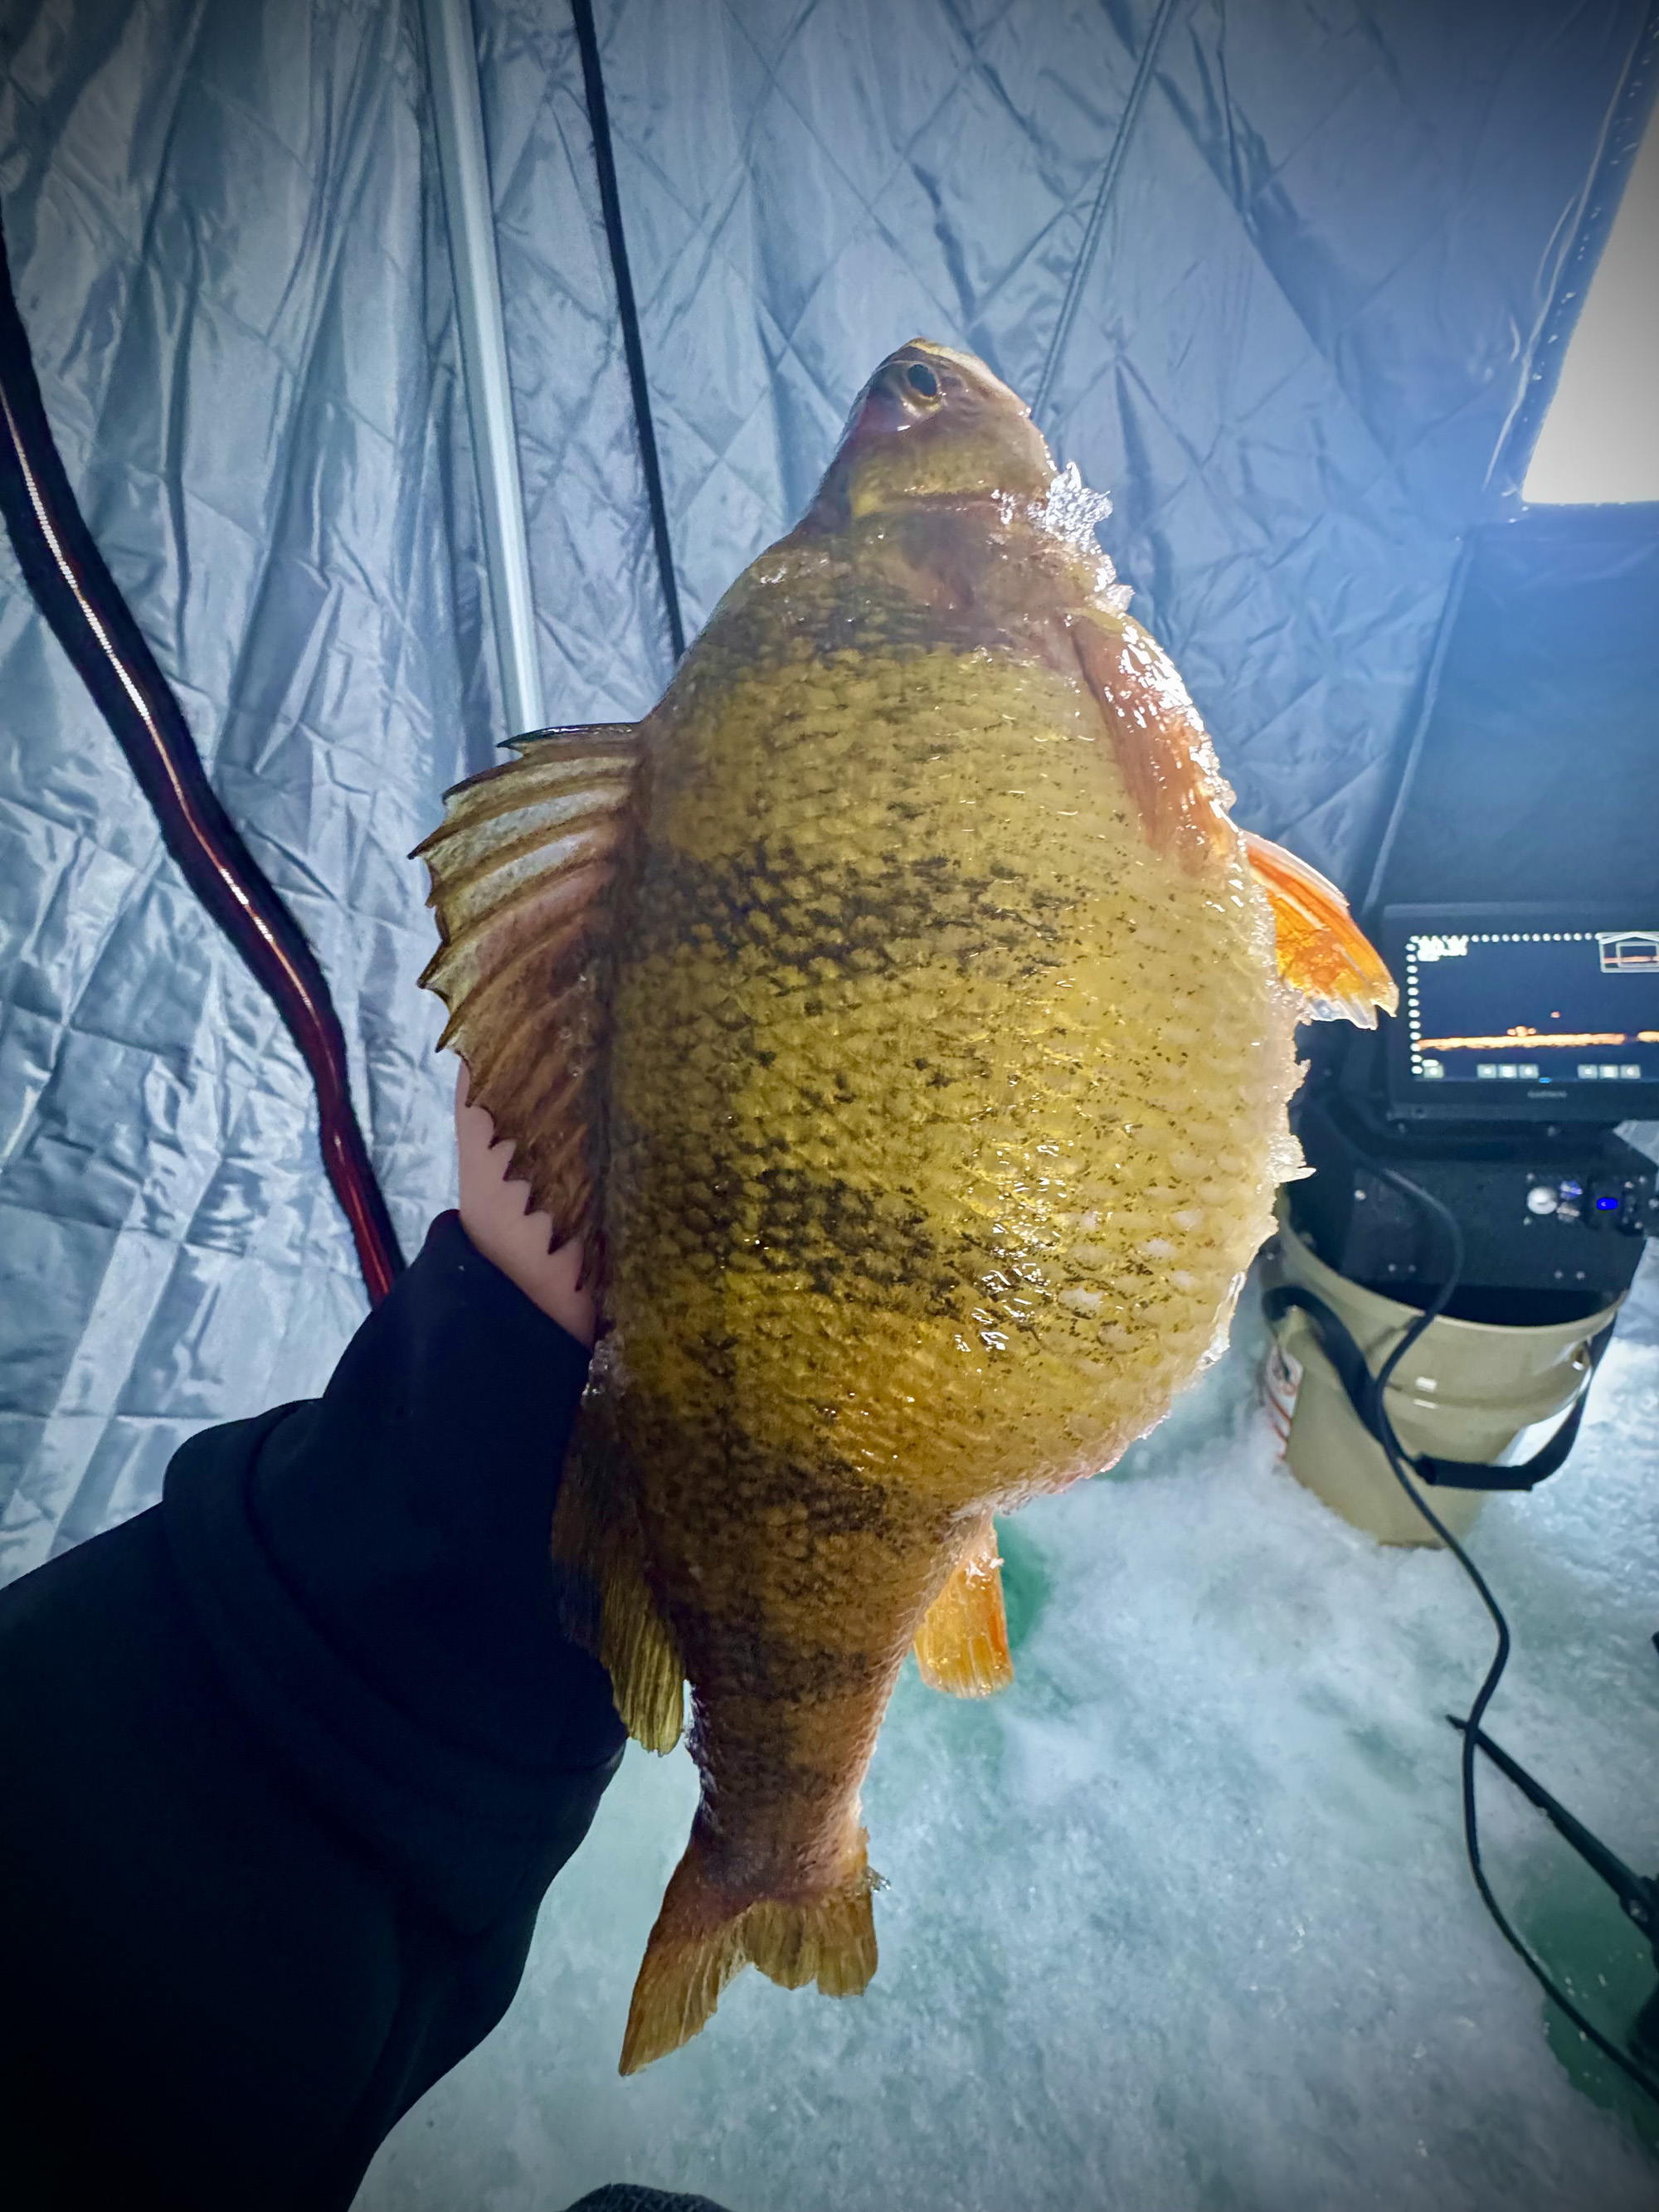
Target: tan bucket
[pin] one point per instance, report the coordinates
(1467, 1390)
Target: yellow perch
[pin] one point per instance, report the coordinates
(899, 1019)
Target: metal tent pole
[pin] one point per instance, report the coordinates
(452, 65)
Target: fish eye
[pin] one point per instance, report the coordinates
(921, 379)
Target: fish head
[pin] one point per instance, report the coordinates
(932, 423)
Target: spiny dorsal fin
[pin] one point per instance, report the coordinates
(961, 1646)
(525, 870)
(1322, 952)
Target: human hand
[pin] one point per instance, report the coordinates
(494, 1215)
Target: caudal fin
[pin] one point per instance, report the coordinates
(705, 1936)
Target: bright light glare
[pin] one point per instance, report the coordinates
(1601, 437)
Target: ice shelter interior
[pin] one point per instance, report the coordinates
(1182, 1921)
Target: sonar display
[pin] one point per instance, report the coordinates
(1535, 1006)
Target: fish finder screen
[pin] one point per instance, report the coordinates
(1563, 1007)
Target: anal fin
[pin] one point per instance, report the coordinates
(961, 1646)
(1323, 954)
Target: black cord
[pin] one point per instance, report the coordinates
(82, 605)
(1471, 1725)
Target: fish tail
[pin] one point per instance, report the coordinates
(705, 1936)
(608, 1607)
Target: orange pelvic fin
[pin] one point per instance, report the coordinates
(704, 1936)
(1322, 953)
(961, 1646)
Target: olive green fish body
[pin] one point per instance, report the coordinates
(942, 1085)
(945, 1110)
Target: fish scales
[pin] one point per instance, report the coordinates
(913, 1013)
(943, 1097)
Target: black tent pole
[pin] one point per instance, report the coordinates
(610, 205)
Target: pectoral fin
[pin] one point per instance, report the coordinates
(1322, 953)
(525, 867)
(1162, 752)
(962, 1644)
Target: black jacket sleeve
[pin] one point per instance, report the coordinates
(287, 1764)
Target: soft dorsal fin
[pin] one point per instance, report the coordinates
(961, 1646)
(525, 867)
(1322, 952)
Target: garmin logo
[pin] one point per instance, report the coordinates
(1441, 948)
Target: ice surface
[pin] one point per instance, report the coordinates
(1183, 1919)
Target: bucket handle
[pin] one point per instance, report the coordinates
(1337, 1343)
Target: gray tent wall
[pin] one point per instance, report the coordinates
(1273, 274)
(229, 248)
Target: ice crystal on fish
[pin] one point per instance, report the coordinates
(1073, 512)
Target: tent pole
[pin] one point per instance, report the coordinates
(457, 114)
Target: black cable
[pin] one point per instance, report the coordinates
(1470, 1726)
(79, 599)
(611, 206)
